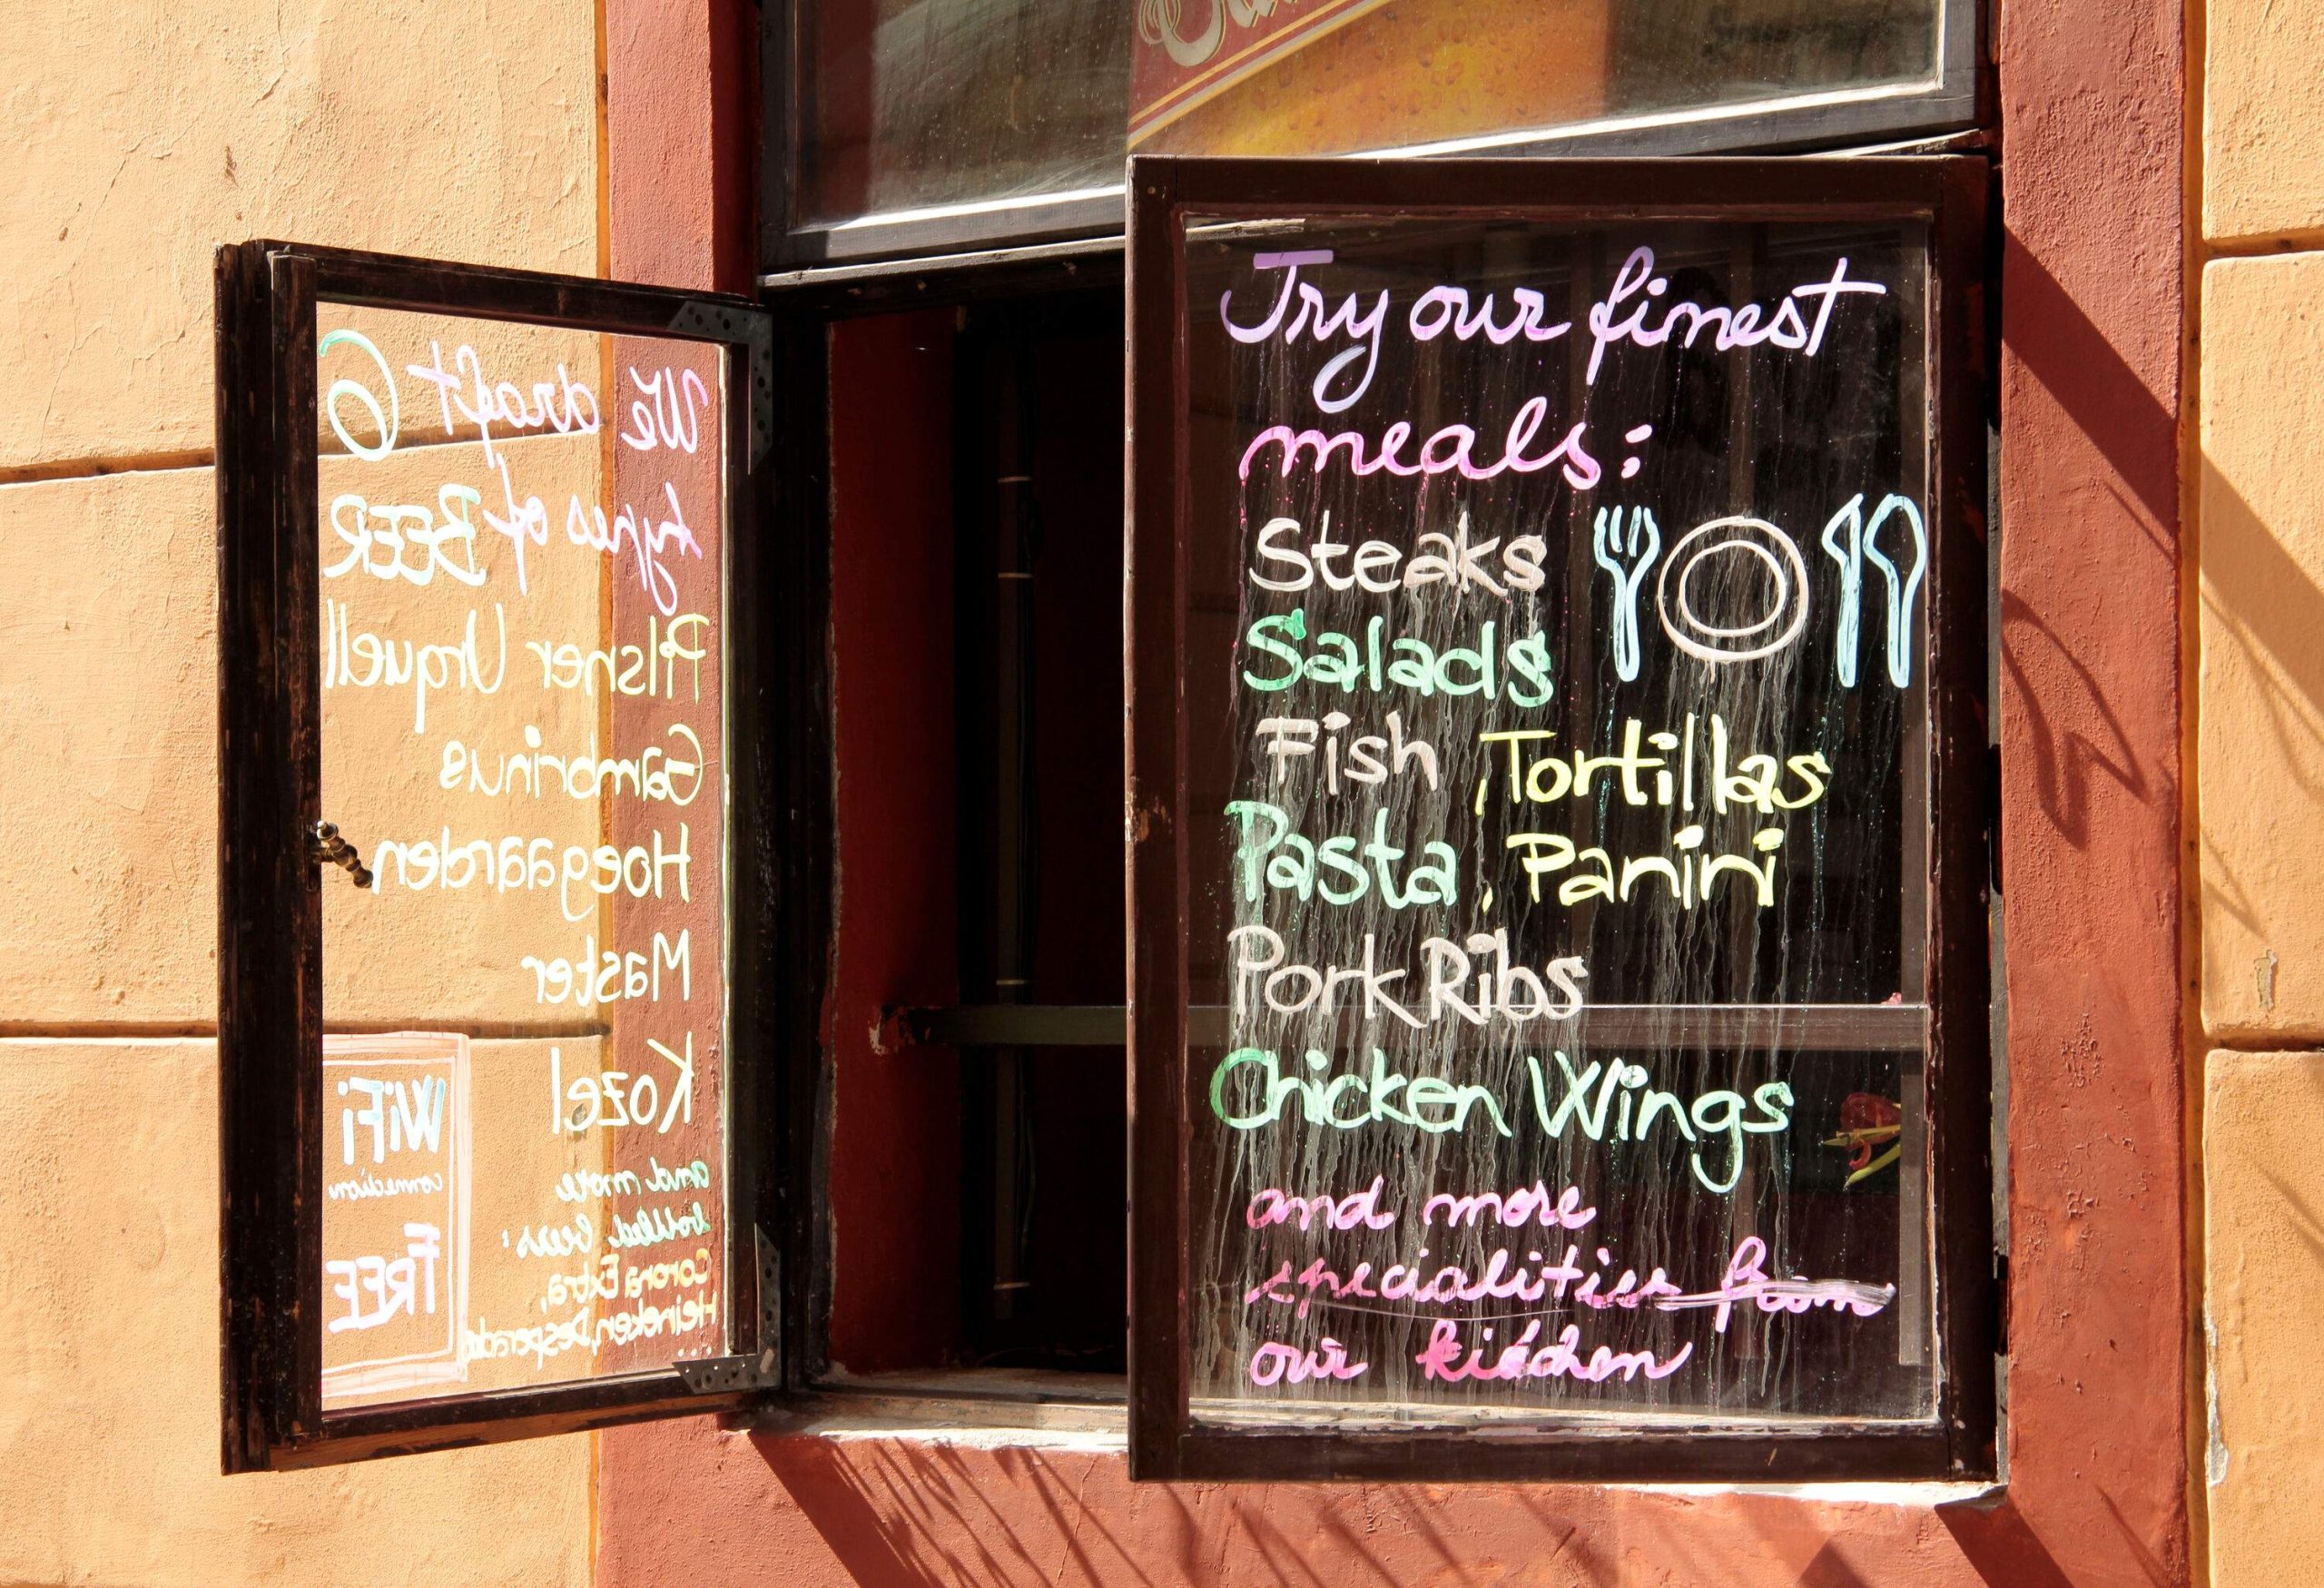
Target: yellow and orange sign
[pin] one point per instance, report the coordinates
(1188, 51)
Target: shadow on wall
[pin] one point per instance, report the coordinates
(2262, 616)
(900, 1514)
(2265, 606)
(1995, 1539)
(2262, 609)
(912, 1515)
(2074, 739)
(2265, 662)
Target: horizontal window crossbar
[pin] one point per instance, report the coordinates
(1813, 1028)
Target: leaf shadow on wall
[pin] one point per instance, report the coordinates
(900, 1515)
(2073, 738)
(903, 1514)
(1995, 1539)
(2070, 733)
(2262, 609)
(2264, 615)
(2107, 484)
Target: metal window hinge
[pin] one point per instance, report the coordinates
(753, 329)
(1993, 816)
(716, 1374)
(763, 1369)
(2001, 1303)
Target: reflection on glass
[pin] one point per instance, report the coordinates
(522, 536)
(912, 104)
(1558, 840)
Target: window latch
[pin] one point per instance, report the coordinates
(330, 849)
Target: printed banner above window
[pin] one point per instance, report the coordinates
(1188, 50)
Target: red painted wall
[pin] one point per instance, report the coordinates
(2092, 563)
(2092, 115)
(681, 126)
(895, 1176)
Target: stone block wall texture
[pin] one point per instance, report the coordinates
(2260, 708)
(2264, 121)
(143, 134)
(2264, 1249)
(109, 1418)
(2261, 630)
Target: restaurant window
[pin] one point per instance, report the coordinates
(1548, 632)
(1658, 981)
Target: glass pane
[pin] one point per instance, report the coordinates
(523, 536)
(914, 104)
(1556, 690)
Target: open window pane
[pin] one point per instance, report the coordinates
(522, 540)
(1560, 605)
(480, 662)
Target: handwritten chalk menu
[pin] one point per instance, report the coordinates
(522, 540)
(1557, 698)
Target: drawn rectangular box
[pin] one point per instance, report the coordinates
(395, 1221)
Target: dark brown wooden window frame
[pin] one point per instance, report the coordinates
(1951, 195)
(269, 923)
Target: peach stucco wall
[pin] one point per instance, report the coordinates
(144, 132)
(141, 135)
(2259, 439)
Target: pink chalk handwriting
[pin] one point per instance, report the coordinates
(1502, 1278)
(1356, 1211)
(1442, 453)
(1441, 1357)
(1274, 1362)
(1747, 1280)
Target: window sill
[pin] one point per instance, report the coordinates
(1005, 1409)
(987, 1408)
(861, 1411)
(1929, 1496)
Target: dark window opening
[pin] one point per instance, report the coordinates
(978, 1168)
